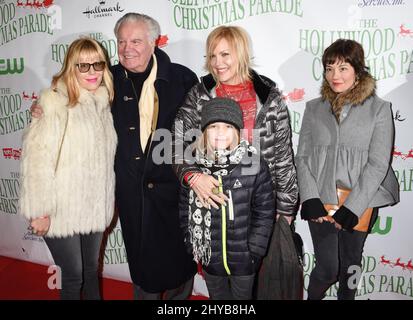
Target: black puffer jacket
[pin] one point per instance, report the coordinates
(272, 122)
(248, 233)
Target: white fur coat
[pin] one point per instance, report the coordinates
(78, 195)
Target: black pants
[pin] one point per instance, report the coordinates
(229, 287)
(78, 259)
(183, 292)
(337, 253)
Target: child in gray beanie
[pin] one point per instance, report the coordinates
(229, 242)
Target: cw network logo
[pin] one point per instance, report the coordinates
(11, 66)
(382, 230)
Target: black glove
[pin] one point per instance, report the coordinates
(256, 262)
(312, 209)
(346, 218)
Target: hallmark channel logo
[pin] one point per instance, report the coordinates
(10, 153)
(102, 10)
(34, 4)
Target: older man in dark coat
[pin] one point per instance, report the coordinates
(149, 89)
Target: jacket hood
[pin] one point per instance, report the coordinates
(364, 89)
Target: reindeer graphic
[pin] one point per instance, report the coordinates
(385, 261)
(404, 31)
(35, 4)
(34, 97)
(398, 263)
(408, 155)
(28, 4)
(409, 265)
(25, 96)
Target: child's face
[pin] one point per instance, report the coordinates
(221, 136)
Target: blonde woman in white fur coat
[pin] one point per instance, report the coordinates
(67, 175)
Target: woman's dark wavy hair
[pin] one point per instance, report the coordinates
(349, 51)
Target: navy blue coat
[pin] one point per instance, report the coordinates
(147, 193)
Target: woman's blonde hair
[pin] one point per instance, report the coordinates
(238, 40)
(83, 46)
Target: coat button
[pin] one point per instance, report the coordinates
(137, 158)
(150, 185)
(132, 128)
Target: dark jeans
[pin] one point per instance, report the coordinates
(78, 259)
(183, 292)
(335, 252)
(229, 287)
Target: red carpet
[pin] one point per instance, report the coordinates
(20, 280)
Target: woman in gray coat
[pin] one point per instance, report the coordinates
(346, 141)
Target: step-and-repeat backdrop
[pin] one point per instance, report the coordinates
(288, 38)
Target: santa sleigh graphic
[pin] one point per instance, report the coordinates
(27, 96)
(398, 263)
(35, 4)
(404, 156)
(405, 31)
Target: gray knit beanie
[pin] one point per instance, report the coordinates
(221, 110)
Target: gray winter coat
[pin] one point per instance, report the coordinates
(272, 122)
(361, 145)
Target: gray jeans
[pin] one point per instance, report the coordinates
(335, 252)
(78, 259)
(229, 287)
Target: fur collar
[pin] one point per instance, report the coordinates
(356, 96)
(101, 96)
